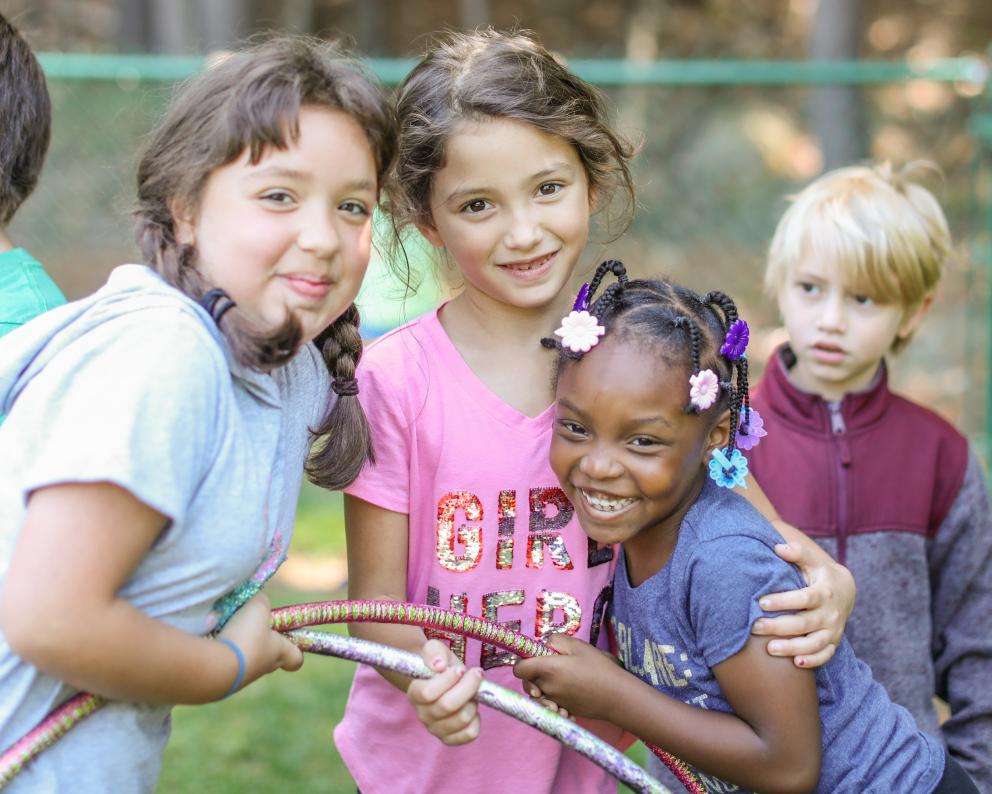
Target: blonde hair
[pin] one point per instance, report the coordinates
(887, 233)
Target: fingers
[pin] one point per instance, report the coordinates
(795, 600)
(438, 656)
(463, 736)
(791, 552)
(816, 659)
(806, 645)
(445, 704)
(292, 657)
(791, 625)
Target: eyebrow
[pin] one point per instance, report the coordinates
(293, 173)
(555, 167)
(647, 420)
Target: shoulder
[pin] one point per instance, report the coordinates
(724, 539)
(26, 290)
(399, 361)
(936, 439)
(720, 517)
(926, 421)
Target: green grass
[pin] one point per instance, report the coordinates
(275, 736)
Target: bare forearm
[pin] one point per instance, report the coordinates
(719, 743)
(119, 652)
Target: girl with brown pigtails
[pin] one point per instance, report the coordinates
(504, 157)
(157, 431)
(651, 407)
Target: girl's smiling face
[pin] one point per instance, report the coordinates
(627, 455)
(291, 233)
(511, 206)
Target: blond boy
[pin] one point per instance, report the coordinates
(885, 485)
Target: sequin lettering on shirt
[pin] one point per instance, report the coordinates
(467, 535)
(458, 603)
(507, 519)
(491, 602)
(545, 528)
(549, 603)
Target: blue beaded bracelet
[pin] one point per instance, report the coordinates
(241, 667)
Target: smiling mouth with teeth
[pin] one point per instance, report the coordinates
(608, 505)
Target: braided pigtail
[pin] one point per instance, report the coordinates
(732, 350)
(344, 435)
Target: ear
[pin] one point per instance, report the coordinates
(427, 228)
(914, 317)
(719, 434)
(184, 220)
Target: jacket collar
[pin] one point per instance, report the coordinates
(810, 411)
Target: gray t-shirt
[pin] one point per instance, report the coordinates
(135, 386)
(697, 612)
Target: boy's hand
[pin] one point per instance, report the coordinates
(265, 649)
(445, 703)
(822, 608)
(576, 680)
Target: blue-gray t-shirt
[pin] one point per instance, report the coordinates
(697, 611)
(135, 385)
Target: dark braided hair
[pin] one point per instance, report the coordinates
(691, 328)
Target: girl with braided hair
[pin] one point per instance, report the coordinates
(651, 402)
(503, 157)
(157, 431)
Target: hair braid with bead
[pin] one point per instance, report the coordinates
(346, 439)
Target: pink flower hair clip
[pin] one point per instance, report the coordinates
(704, 389)
(580, 331)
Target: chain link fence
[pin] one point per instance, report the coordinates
(721, 144)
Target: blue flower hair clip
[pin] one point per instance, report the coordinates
(735, 343)
(728, 472)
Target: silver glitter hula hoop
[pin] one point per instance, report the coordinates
(290, 619)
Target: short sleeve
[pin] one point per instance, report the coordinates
(726, 577)
(390, 385)
(135, 402)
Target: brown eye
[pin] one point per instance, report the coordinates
(476, 206)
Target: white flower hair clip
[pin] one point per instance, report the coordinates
(704, 389)
(580, 331)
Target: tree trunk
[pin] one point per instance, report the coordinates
(837, 111)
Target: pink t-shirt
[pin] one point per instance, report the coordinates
(491, 534)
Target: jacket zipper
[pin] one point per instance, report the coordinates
(842, 462)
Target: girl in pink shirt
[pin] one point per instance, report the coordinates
(504, 155)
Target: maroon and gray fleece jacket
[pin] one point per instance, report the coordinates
(891, 491)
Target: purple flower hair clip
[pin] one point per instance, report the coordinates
(736, 341)
(751, 429)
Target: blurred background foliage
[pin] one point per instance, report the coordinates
(715, 161)
(715, 164)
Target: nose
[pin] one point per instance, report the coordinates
(524, 231)
(833, 316)
(318, 235)
(598, 464)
